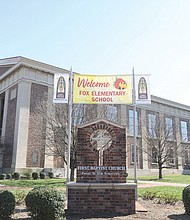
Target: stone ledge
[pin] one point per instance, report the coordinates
(102, 185)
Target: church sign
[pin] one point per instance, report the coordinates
(101, 153)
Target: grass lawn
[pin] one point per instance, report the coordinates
(166, 178)
(166, 192)
(163, 191)
(58, 183)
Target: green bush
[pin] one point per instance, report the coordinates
(28, 175)
(9, 176)
(3, 176)
(42, 175)
(16, 176)
(148, 195)
(186, 199)
(167, 198)
(35, 175)
(51, 175)
(20, 196)
(7, 203)
(46, 203)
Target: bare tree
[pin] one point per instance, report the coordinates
(55, 118)
(161, 145)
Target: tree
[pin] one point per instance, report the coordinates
(160, 137)
(55, 118)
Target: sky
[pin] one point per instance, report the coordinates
(104, 37)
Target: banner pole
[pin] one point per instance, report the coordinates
(134, 130)
(69, 124)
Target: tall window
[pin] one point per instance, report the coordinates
(154, 155)
(78, 114)
(131, 122)
(133, 155)
(111, 112)
(171, 152)
(184, 132)
(152, 125)
(169, 128)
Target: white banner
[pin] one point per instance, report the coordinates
(142, 88)
(61, 88)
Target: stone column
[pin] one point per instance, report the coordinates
(21, 125)
(178, 140)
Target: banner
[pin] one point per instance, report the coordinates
(95, 89)
(61, 85)
(142, 88)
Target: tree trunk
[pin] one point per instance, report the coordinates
(160, 171)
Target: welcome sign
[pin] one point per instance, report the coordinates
(94, 89)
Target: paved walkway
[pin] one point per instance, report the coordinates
(145, 184)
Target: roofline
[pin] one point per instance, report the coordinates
(102, 120)
(22, 61)
(169, 102)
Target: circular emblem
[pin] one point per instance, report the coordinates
(100, 140)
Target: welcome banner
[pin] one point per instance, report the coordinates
(95, 89)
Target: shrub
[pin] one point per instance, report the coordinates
(42, 175)
(46, 203)
(20, 196)
(9, 176)
(148, 195)
(7, 203)
(35, 175)
(51, 175)
(16, 176)
(28, 175)
(3, 176)
(186, 199)
(167, 198)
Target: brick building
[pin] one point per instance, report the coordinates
(24, 81)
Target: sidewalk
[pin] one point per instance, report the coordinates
(146, 184)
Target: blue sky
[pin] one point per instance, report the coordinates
(104, 37)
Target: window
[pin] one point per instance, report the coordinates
(154, 155)
(133, 155)
(111, 112)
(131, 122)
(152, 125)
(184, 135)
(171, 152)
(78, 114)
(35, 156)
(169, 128)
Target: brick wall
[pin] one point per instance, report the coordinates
(10, 127)
(114, 158)
(101, 199)
(36, 138)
